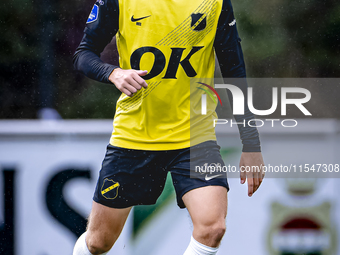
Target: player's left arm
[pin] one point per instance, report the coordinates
(230, 56)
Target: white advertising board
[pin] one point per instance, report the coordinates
(49, 170)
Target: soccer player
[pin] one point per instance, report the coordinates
(173, 42)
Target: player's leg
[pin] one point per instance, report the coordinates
(204, 193)
(207, 207)
(127, 178)
(104, 227)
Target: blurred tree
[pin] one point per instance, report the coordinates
(18, 61)
(36, 53)
(294, 38)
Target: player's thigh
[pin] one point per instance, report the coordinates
(207, 205)
(130, 177)
(105, 224)
(188, 181)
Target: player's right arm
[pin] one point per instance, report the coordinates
(101, 27)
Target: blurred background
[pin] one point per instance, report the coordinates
(281, 38)
(55, 124)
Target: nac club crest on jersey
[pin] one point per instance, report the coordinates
(198, 21)
(93, 15)
(109, 189)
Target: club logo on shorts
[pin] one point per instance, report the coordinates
(198, 21)
(109, 189)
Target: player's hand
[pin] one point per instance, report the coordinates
(255, 177)
(128, 81)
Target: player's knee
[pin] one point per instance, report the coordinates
(97, 247)
(217, 232)
(213, 232)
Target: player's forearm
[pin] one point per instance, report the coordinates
(89, 63)
(233, 67)
(249, 135)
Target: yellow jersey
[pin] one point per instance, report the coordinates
(175, 41)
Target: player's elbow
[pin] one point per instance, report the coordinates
(75, 60)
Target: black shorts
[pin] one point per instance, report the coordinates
(137, 177)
